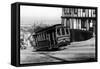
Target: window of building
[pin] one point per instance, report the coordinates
(83, 24)
(91, 23)
(65, 22)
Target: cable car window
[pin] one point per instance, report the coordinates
(67, 31)
(58, 31)
(38, 37)
(63, 32)
(42, 37)
(67, 23)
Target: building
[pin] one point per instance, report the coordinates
(24, 41)
(80, 21)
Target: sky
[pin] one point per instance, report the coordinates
(38, 14)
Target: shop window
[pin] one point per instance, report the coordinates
(65, 22)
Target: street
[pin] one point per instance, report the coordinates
(76, 51)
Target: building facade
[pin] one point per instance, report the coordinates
(81, 22)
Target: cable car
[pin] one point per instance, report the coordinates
(51, 37)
